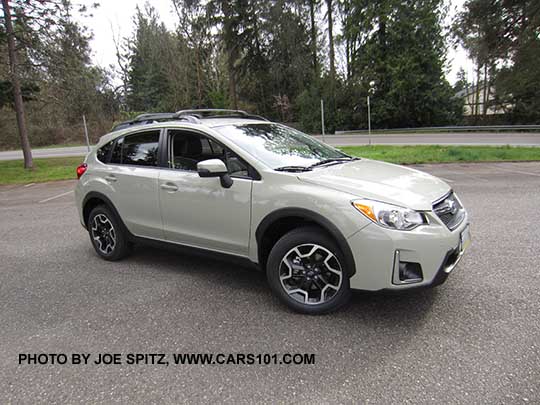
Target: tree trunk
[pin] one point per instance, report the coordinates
(230, 44)
(347, 59)
(313, 37)
(15, 82)
(232, 80)
(331, 41)
(199, 84)
(486, 91)
(332, 104)
(477, 94)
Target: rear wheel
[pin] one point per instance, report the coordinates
(306, 270)
(107, 236)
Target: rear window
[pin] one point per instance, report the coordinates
(104, 152)
(138, 149)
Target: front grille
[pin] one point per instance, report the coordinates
(450, 211)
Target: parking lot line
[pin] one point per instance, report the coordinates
(516, 171)
(56, 196)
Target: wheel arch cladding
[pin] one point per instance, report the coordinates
(279, 222)
(94, 199)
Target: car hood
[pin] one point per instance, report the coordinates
(380, 181)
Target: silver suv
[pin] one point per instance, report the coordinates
(318, 221)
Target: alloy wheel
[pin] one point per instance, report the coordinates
(103, 234)
(310, 274)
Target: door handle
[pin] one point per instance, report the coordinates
(169, 187)
(111, 178)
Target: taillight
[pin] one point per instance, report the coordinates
(81, 169)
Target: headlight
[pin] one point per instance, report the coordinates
(389, 216)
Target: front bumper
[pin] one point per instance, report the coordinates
(378, 252)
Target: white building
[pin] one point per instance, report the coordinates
(474, 98)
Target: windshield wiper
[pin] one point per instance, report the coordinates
(293, 169)
(334, 160)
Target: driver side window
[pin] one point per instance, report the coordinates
(189, 148)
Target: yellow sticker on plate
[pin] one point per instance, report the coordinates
(465, 238)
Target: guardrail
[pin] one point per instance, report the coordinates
(457, 128)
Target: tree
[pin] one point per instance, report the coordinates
(462, 82)
(332, 63)
(147, 80)
(72, 81)
(331, 53)
(16, 86)
(194, 28)
(52, 65)
(473, 29)
(313, 4)
(502, 37)
(227, 16)
(400, 48)
(265, 56)
(288, 66)
(268, 52)
(517, 85)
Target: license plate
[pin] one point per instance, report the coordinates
(465, 238)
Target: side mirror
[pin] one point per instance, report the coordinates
(215, 168)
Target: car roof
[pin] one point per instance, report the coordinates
(213, 122)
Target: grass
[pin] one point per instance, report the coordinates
(443, 154)
(48, 169)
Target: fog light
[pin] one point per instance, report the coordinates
(406, 272)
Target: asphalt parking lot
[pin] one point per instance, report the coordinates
(475, 339)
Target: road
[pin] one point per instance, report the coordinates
(46, 152)
(516, 139)
(458, 138)
(475, 339)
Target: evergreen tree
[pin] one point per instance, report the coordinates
(502, 38)
(398, 46)
(147, 80)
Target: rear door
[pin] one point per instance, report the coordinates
(132, 174)
(198, 211)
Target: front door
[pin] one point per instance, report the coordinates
(198, 211)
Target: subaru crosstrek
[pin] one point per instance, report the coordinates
(318, 221)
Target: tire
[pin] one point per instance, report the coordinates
(319, 271)
(110, 245)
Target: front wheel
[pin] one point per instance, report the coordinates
(306, 270)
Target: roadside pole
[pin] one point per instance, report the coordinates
(86, 133)
(322, 118)
(369, 119)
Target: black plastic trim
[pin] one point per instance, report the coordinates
(110, 205)
(166, 244)
(195, 251)
(208, 173)
(440, 277)
(163, 160)
(313, 217)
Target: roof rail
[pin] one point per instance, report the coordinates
(218, 113)
(150, 118)
(210, 111)
(193, 116)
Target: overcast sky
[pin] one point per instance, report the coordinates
(113, 18)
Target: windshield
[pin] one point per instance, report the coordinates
(279, 146)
